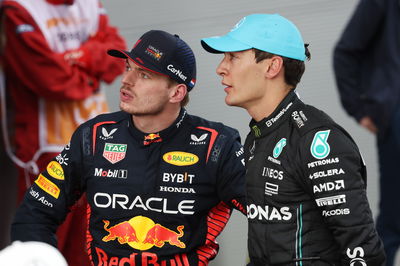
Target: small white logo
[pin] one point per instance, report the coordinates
(333, 200)
(198, 141)
(177, 189)
(329, 186)
(24, 28)
(336, 212)
(252, 150)
(271, 188)
(116, 173)
(177, 72)
(356, 256)
(238, 24)
(107, 135)
(62, 159)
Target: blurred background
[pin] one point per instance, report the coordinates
(320, 22)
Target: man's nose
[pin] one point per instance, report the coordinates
(221, 69)
(129, 77)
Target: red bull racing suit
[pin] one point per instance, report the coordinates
(307, 202)
(153, 199)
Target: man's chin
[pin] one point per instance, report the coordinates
(230, 102)
(124, 108)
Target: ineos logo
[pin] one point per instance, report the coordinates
(356, 257)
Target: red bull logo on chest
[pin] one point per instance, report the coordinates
(114, 152)
(142, 233)
(151, 138)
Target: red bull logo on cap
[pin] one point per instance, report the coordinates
(142, 233)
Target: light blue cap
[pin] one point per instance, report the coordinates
(267, 32)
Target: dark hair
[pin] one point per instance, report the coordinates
(294, 69)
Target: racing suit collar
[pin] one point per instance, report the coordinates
(148, 138)
(269, 123)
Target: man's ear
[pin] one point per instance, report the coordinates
(178, 93)
(275, 65)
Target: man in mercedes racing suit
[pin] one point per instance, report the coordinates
(306, 179)
(160, 183)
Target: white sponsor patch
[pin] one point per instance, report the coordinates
(272, 173)
(329, 172)
(115, 173)
(268, 213)
(336, 212)
(161, 205)
(329, 186)
(323, 162)
(177, 189)
(271, 189)
(333, 200)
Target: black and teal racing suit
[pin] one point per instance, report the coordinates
(306, 184)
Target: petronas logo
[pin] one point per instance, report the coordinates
(320, 148)
(279, 147)
(257, 131)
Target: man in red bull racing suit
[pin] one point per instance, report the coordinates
(160, 183)
(306, 180)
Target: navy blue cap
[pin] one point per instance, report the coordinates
(165, 54)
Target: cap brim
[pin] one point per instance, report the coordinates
(134, 59)
(222, 44)
(118, 53)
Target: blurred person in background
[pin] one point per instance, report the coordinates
(53, 61)
(367, 69)
(8, 182)
(305, 179)
(160, 183)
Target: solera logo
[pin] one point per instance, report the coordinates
(356, 256)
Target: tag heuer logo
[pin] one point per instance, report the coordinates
(114, 152)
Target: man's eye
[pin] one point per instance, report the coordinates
(128, 68)
(232, 56)
(144, 75)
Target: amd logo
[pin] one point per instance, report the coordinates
(329, 186)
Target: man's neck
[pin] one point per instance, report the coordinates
(268, 104)
(155, 123)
